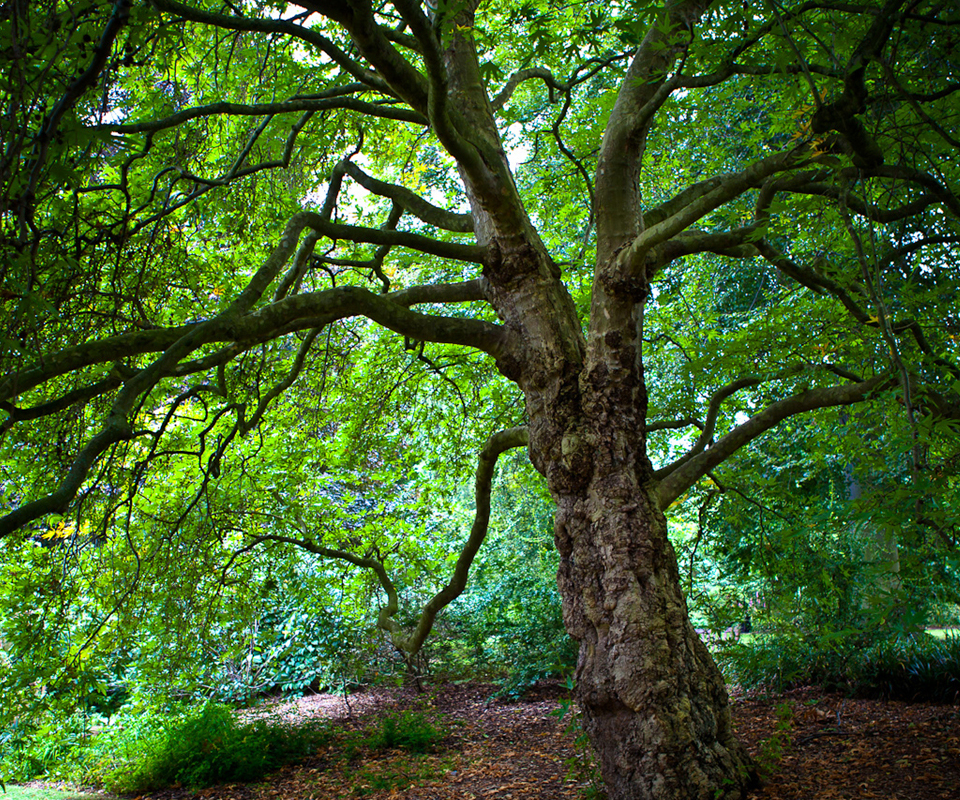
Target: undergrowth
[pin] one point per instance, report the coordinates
(202, 748)
(147, 751)
(396, 774)
(910, 667)
(408, 730)
(774, 748)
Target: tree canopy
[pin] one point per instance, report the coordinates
(281, 275)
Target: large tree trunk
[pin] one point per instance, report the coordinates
(654, 703)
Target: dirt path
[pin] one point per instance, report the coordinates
(815, 747)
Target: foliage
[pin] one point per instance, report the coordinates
(408, 730)
(912, 668)
(810, 529)
(147, 748)
(508, 623)
(271, 276)
(295, 644)
(202, 747)
(26, 752)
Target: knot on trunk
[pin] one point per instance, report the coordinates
(571, 472)
(505, 267)
(633, 287)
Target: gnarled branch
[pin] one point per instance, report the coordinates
(677, 481)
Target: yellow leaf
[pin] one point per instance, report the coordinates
(62, 531)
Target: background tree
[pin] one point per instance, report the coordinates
(202, 203)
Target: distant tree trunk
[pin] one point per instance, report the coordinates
(881, 554)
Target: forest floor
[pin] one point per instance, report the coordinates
(812, 745)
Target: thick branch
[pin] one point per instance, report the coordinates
(709, 426)
(299, 312)
(688, 473)
(338, 99)
(445, 117)
(673, 424)
(710, 195)
(402, 78)
(104, 351)
(841, 115)
(464, 292)
(321, 308)
(81, 395)
(321, 224)
(290, 314)
(412, 241)
(728, 71)
(642, 92)
(858, 206)
(116, 430)
(409, 201)
(518, 77)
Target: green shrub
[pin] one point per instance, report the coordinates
(29, 751)
(776, 663)
(408, 730)
(205, 747)
(134, 735)
(912, 667)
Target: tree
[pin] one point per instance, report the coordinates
(197, 196)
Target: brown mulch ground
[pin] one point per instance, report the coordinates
(827, 748)
(843, 748)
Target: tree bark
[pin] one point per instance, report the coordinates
(654, 703)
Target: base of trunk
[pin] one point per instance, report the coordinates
(654, 703)
(673, 741)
